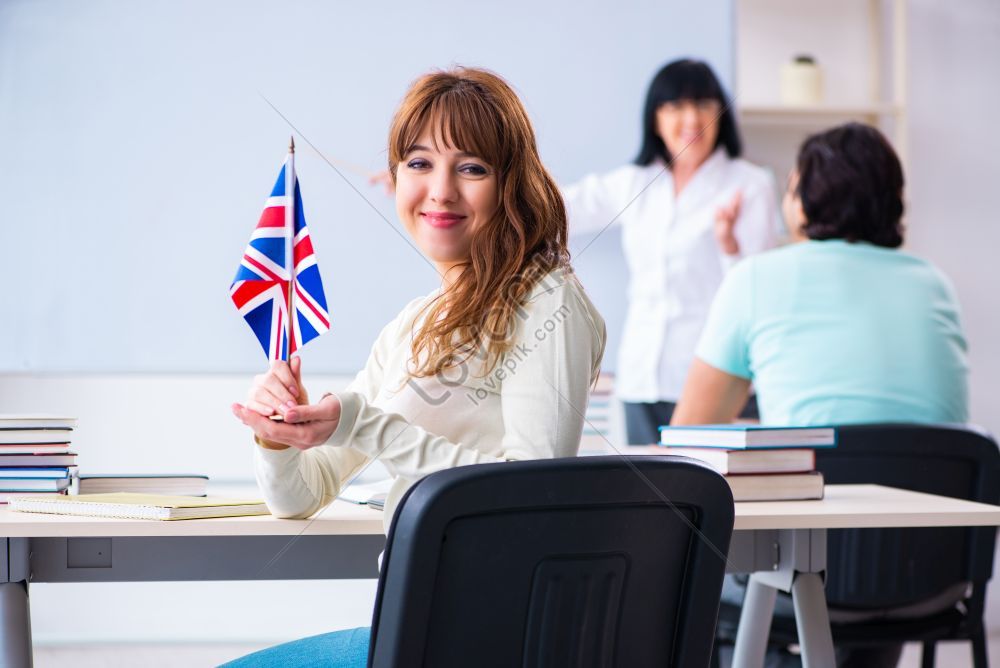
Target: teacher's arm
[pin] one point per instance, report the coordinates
(596, 202)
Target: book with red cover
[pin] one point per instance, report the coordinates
(772, 460)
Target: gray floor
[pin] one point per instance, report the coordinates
(949, 655)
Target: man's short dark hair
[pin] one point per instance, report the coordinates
(851, 186)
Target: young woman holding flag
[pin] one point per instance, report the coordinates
(493, 366)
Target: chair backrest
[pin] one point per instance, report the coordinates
(886, 568)
(576, 562)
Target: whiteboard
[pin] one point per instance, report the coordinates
(136, 152)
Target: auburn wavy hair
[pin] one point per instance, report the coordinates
(477, 112)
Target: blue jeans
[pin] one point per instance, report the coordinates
(340, 649)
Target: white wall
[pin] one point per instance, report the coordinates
(953, 218)
(136, 153)
(954, 162)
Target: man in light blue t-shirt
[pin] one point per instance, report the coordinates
(840, 327)
(832, 332)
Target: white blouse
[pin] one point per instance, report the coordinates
(530, 406)
(675, 263)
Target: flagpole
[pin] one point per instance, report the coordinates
(290, 242)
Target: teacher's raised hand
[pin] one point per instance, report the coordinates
(725, 224)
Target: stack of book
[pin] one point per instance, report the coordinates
(597, 424)
(35, 455)
(760, 463)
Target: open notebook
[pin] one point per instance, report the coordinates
(139, 506)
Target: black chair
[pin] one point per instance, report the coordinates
(895, 583)
(568, 563)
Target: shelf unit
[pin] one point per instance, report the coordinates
(860, 46)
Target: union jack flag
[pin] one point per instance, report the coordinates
(261, 287)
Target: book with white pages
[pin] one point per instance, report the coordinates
(35, 449)
(741, 436)
(5, 497)
(61, 460)
(771, 460)
(776, 486)
(45, 472)
(10, 421)
(139, 506)
(34, 484)
(31, 436)
(179, 484)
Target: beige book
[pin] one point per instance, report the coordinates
(776, 486)
(139, 506)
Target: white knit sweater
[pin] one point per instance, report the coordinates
(529, 406)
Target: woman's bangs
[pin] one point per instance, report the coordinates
(691, 85)
(462, 123)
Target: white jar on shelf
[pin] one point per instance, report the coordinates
(801, 82)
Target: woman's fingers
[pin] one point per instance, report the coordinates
(274, 387)
(283, 373)
(302, 436)
(385, 178)
(729, 212)
(328, 409)
(734, 204)
(261, 408)
(261, 396)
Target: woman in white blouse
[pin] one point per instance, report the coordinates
(493, 366)
(689, 207)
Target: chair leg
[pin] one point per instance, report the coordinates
(927, 654)
(979, 658)
(714, 661)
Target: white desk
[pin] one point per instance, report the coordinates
(782, 543)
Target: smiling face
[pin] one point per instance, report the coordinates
(444, 194)
(689, 128)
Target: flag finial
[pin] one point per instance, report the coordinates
(291, 144)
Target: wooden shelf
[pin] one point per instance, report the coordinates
(765, 114)
(861, 48)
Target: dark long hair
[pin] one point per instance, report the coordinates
(685, 80)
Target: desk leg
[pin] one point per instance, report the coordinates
(755, 624)
(812, 621)
(15, 632)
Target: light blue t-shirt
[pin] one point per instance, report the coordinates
(832, 332)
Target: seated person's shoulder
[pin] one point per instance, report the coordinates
(924, 271)
(560, 292)
(556, 287)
